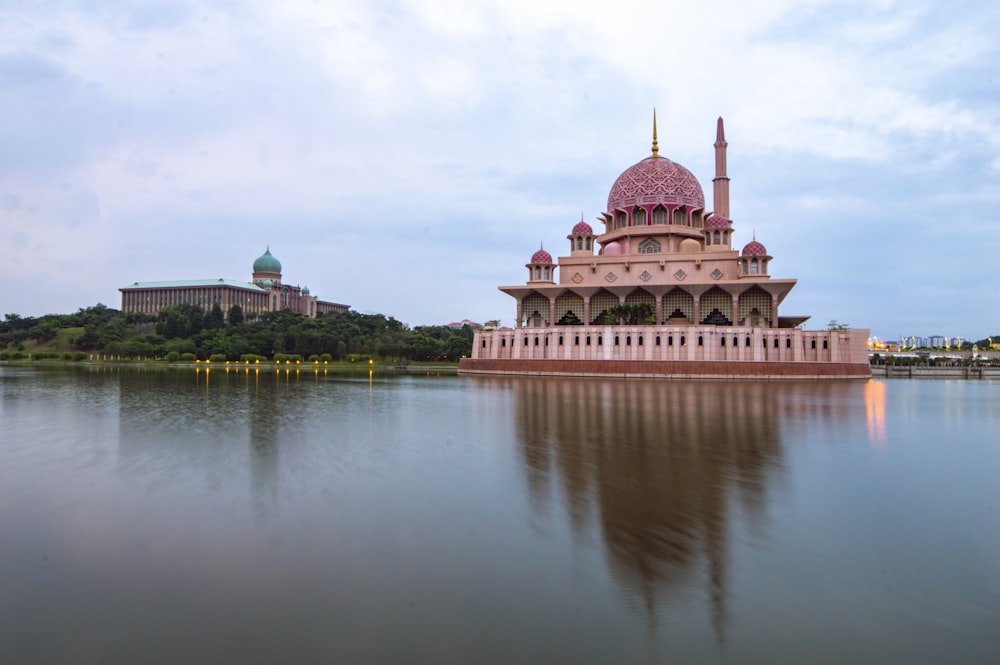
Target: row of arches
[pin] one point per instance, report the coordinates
(752, 307)
(681, 215)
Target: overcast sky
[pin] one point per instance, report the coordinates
(406, 157)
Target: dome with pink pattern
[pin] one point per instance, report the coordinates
(717, 222)
(582, 228)
(754, 248)
(656, 180)
(541, 256)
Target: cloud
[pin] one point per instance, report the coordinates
(398, 150)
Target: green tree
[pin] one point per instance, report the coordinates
(235, 317)
(458, 346)
(214, 318)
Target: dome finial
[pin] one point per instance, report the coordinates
(656, 148)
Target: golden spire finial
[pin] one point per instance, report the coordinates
(656, 148)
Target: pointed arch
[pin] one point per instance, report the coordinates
(755, 299)
(660, 215)
(644, 298)
(716, 307)
(678, 306)
(600, 303)
(569, 310)
(536, 311)
(650, 246)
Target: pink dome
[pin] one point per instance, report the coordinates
(541, 256)
(717, 222)
(754, 248)
(582, 228)
(613, 248)
(656, 180)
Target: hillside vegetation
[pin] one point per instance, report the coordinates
(188, 332)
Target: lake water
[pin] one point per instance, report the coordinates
(175, 516)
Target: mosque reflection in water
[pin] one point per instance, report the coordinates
(658, 467)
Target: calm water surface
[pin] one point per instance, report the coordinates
(171, 516)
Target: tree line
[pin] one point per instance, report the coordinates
(188, 330)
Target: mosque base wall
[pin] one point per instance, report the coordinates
(673, 369)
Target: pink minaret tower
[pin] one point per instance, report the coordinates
(720, 184)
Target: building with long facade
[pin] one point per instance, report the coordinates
(660, 291)
(266, 292)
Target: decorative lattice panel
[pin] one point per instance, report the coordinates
(640, 295)
(752, 299)
(569, 309)
(600, 303)
(678, 301)
(716, 307)
(536, 310)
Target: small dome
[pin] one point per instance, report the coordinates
(613, 248)
(541, 256)
(582, 228)
(305, 290)
(267, 283)
(754, 248)
(717, 222)
(266, 263)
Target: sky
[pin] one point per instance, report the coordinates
(406, 157)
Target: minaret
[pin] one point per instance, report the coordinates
(720, 184)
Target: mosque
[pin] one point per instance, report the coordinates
(265, 293)
(661, 291)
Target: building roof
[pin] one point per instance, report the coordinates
(754, 248)
(656, 180)
(190, 283)
(267, 263)
(541, 256)
(582, 228)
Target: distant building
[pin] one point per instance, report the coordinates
(265, 293)
(458, 325)
(660, 291)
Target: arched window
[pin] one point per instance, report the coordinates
(680, 219)
(639, 217)
(588, 243)
(538, 272)
(659, 215)
(579, 242)
(649, 246)
(754, 267)
(546, 273)
(717, 238)
(620, 220)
